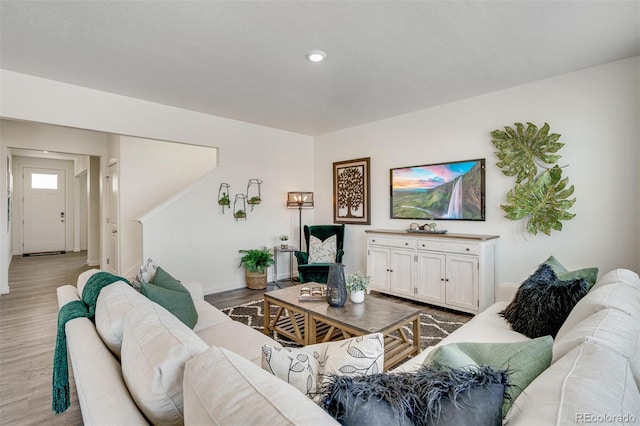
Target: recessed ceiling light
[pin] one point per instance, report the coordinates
(316, 55)
(45, 152)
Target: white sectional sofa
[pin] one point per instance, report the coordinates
(594, 375)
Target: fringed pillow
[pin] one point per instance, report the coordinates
(429, 396)
(543, 303)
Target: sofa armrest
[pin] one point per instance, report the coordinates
(66, 294)
(195, 288)
(506, 291)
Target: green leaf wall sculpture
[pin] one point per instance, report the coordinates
(541, 199)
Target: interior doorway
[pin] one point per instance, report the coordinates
(44, 210)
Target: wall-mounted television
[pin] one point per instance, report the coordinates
(443, 191)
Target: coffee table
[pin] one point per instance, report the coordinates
(310, 322)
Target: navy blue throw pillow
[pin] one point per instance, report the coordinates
(543, 303)
(429, 396)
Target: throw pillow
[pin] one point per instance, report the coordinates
(147, 271)
(155, 348)
(433, 396)
(322, 251)
(590, 275)
(524, 361)
(224, 388)
(173, 296)
(113, 304)
(307, 368)
(543, 302)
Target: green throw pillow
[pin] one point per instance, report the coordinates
(590, 275)
(169, 293)
(524, 361)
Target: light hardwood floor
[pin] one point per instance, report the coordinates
(28, 318)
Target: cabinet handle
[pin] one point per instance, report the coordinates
(467, 249)
(406, 244)
(441, 279)
(446, 279)
(390, 270)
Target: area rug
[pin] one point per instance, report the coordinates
(433, 328)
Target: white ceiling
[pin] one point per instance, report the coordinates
(245, 60)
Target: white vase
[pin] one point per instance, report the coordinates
(357, 296)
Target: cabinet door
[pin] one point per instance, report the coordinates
(462, 282)
(402, 271)
(430, 277)
(378, 268)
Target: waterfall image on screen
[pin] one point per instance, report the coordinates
(450, 191)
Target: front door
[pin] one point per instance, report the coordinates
(43, 210)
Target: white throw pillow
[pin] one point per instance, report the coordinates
(306, 368)
(322, 251)
(147, 271)
(223, 388)
(113, 304)
(155, 347)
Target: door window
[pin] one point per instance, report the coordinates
(44, 181)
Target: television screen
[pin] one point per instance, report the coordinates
(445, 191)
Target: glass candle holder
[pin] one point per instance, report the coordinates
(336, 288)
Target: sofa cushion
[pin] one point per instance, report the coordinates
(429, 396)
(611, 327)
(307, 368)
(172, 295)
(543, 303)
(485, 327)
(590, 275)
(590, 382)
(113, 304)
(623, 276)
(524, 361)
(147, 271)
(239, 338)
(155, 348)
(223, 388)
(618, 296)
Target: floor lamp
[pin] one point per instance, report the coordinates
(300, 200)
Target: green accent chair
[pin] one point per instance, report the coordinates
(317, 272)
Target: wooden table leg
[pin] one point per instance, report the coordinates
(416, 333)
(266, 328)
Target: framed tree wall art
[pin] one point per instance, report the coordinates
(351, 187)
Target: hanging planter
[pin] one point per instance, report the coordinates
(223, 196)
(240, 207)
(253, 192)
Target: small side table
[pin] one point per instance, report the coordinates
(277, 250)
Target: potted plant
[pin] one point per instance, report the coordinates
(357, 284)
(224, 200)
(254, 200)
(283, 241)
(256, 262)
(240, 214)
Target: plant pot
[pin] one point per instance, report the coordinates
(256, 280)
(357, 296)
(284, 245)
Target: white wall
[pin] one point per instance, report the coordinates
(198, 242)
(283, 160)
(151, 172)
(596, 112)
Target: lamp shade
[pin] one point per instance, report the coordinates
(296, 200)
